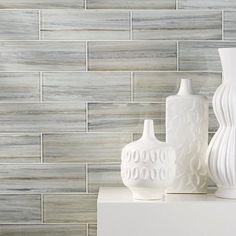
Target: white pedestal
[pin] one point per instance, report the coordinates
(176, 215)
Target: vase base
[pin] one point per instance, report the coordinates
(147, 194)
(226, 193)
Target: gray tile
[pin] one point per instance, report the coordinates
(42, 178)
(103, 175)
(132, 55)
(17, 24)
(19, 86)
(160, 136)
(19, 209)
(43, 230)
(125, 117)
(20, 148)
(68, 208)
(177, 25)
(213, 123)
(130, 4)
(42, 117)
(229, 25)
(84, 25)
(42, 55)
(37, 4)
(92, 230)
(84, 147)
(86, 86)
(156, 86)
(209, 4)
(200, 55)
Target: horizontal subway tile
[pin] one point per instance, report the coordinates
(229, 25)
(19, 24)
(160, 136)
(213, 123)
(84, 147)
(42, 178)
(42, 55)
(103, 175)
(132, 55)
(19, 86)
(70, 208)
(20, 148)
(19, 209)
(177, 25)
(125, 117)
(43, 230)
(86, 86)
(156, 86)
(84, 25)
(42, 117)
(35, 4)
(92, 230)
(200, 55)
(209, 4)
(130, 4)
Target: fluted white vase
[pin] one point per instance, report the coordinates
(187, 132)
(148, 165)
(222, 148)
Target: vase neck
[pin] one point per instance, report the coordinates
(228, 59)
(185, 87)
(148, 129)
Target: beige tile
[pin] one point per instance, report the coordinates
(92, 230)
(132, 55)
(86, 86)
(84, 148)
(70, 208)
(42, 178)
(84, 25)
(103, 175)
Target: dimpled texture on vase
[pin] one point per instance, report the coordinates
(148, 165)
(187, 132)
(222, 148)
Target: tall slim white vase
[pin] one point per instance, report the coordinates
(187, 132)
(222, 148)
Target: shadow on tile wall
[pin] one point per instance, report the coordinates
(77, 79)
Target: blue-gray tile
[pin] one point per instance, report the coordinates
(75, 208)
(125, 117)
(19, 86)
(103, 175)
(84, 25)
(42, 56)
(39, 4)
(230, 25)
(19, 209)
(86, 86)
(200, 55)
(43, 230)
(84, 147)
(209, 4)
(132, 55)
(16, 25)
(177, 25)
(156, 86)
(42, 117)
(20, 148)
(130, 4)
(42, 178)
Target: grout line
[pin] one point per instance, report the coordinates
(177, 55)
(223, 25)
(42, 208)
(86, 56)
(132, 86)
(85, 4)
(41, 148)
(47, 223)
(87, 228)
(39, 12)
(131, 25)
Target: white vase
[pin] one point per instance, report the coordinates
(148, 165)
(187, 132)
(222, 148)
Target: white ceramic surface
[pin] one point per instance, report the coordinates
(222, 148)
(187, 132)
(148, 165)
